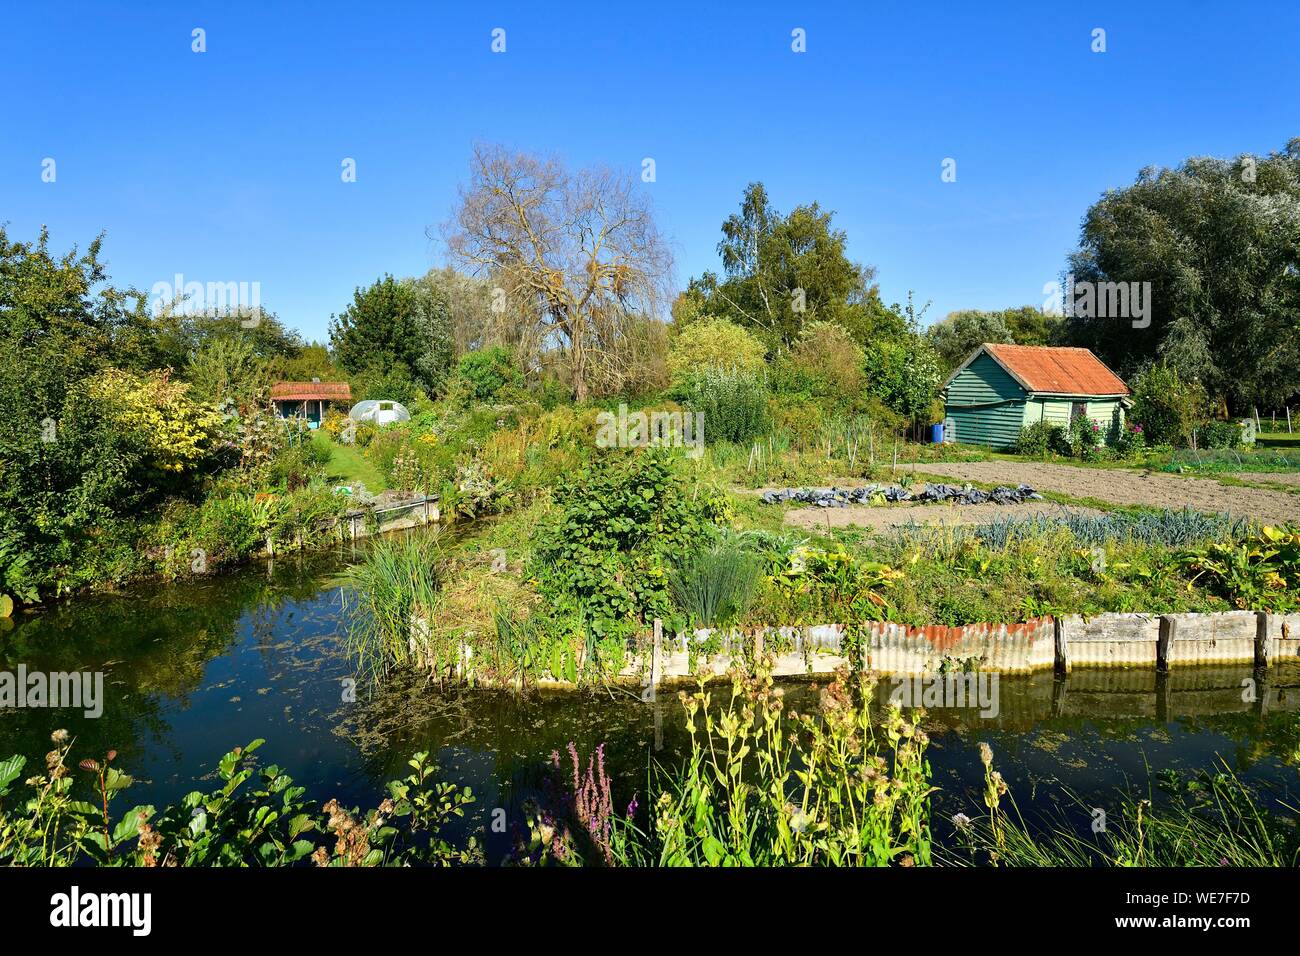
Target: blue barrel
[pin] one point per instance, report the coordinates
(936, 433)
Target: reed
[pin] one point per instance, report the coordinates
(390, 604)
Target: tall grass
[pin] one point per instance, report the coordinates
(716, 587)
(391, 601)
(1215, 820)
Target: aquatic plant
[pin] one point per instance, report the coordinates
(573, 824)
(390, 605)
(1212, 819)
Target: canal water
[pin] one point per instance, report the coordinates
(195, 669)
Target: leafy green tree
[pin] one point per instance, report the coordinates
(1219, 241)
(228, 370)
(469, 300)
(780, 272)
(392, 383)
(1030, 325)
(714, 343)
(960, 333)
(486, 372)
(394, 323)
(832, 360)
(904, 373)
(72, 477)
(313, 361)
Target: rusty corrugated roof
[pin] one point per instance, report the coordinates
(297, 391)
(1057, 370)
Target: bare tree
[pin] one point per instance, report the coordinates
(577, 256)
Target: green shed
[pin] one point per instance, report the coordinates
(1002, 388)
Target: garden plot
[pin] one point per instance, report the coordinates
(883, 517)
(1124, 487)
(890, 494)
(1291, 478)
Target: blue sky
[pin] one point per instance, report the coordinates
(225, 165)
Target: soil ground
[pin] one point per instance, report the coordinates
(1273, 477)
(1122, 487)
(881, 517)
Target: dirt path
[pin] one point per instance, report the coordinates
(1123, 487)
(879, 518)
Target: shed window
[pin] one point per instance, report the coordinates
(1077, 409)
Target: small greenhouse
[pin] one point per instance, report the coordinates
(379, 412)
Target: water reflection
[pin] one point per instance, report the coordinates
(193, 670)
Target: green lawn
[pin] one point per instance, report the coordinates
(348, 466)
(1278, 439)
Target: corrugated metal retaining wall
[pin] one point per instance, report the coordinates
(1100, 642)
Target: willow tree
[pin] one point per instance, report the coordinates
(1219, 241)
(576, 257)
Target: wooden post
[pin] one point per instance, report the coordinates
(1162, 644)
(1164, 696)
(657, 658)
(1062, 647)
(1261, 639)
(1288, 419)
(1059, 687)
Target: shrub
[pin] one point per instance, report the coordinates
(904, 374)
(335, 423)
(486, 373)
(1217, 434)
(1042, 438)
(734, 404)
(174, 433)
(1085, 438)
(803, 421)
(1127, 440)
(1167, 407)
(712, 345)
(621, 523)
(827, 354)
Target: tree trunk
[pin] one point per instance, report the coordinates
(578, 363)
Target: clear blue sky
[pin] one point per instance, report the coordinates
(225, 165)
